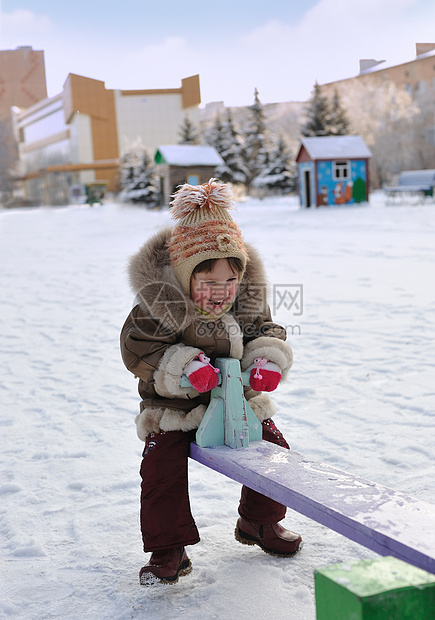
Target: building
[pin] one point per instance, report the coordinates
(22, 79)
(184, 163)
(22, 83)
(417, 76)
(76, 138)
(333, 170)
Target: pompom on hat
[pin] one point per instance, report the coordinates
(204, 228)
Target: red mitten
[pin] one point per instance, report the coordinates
(202, 375)
(265, 376)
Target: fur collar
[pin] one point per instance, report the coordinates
(160, 295)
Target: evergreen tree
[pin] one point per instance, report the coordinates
(280, 173)
(256, 141)
(188, 132)
(224, 137)
(215, 136)
(234, 153)
(339, 124)
(318, 115)
(138, 178)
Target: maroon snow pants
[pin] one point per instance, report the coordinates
(165, 516)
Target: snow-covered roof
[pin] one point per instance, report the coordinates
(187, 155)
(333, 147)
(383, 64)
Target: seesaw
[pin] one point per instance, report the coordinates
(383, 520)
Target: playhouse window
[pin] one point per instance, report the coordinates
(193, 179)
(341, 170)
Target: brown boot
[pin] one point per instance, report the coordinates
(273, 539)
(165, 566)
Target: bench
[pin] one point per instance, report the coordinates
(381, 519)
(416, 183)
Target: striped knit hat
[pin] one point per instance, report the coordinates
(204, 228)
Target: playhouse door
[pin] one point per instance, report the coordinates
(307, 188)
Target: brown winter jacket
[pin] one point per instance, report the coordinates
(164, 332)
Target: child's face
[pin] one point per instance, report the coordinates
(213, 290)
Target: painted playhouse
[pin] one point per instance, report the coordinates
(333, 170)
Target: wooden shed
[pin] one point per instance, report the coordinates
(333, 170)
(184, 163)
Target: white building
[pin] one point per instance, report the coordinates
(75, 139)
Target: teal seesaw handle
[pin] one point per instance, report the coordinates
(229, 419)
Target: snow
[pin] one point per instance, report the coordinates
(190, 155)
(360, 397)
(333, 147)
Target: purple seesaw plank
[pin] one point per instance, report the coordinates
(386, 521)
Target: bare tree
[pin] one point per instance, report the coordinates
(384, 116)
(423, 147)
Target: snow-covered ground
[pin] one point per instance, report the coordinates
(360, 397)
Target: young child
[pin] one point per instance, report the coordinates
(201, 294)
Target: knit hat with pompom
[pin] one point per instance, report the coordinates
(204, 228)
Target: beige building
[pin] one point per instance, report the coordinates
(416, 76)
(75, 139)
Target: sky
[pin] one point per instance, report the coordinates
(280, 47)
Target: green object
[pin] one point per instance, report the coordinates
(381, 589)
(359, 190)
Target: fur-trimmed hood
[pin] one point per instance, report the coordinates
(164, 332)
(160, 294)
